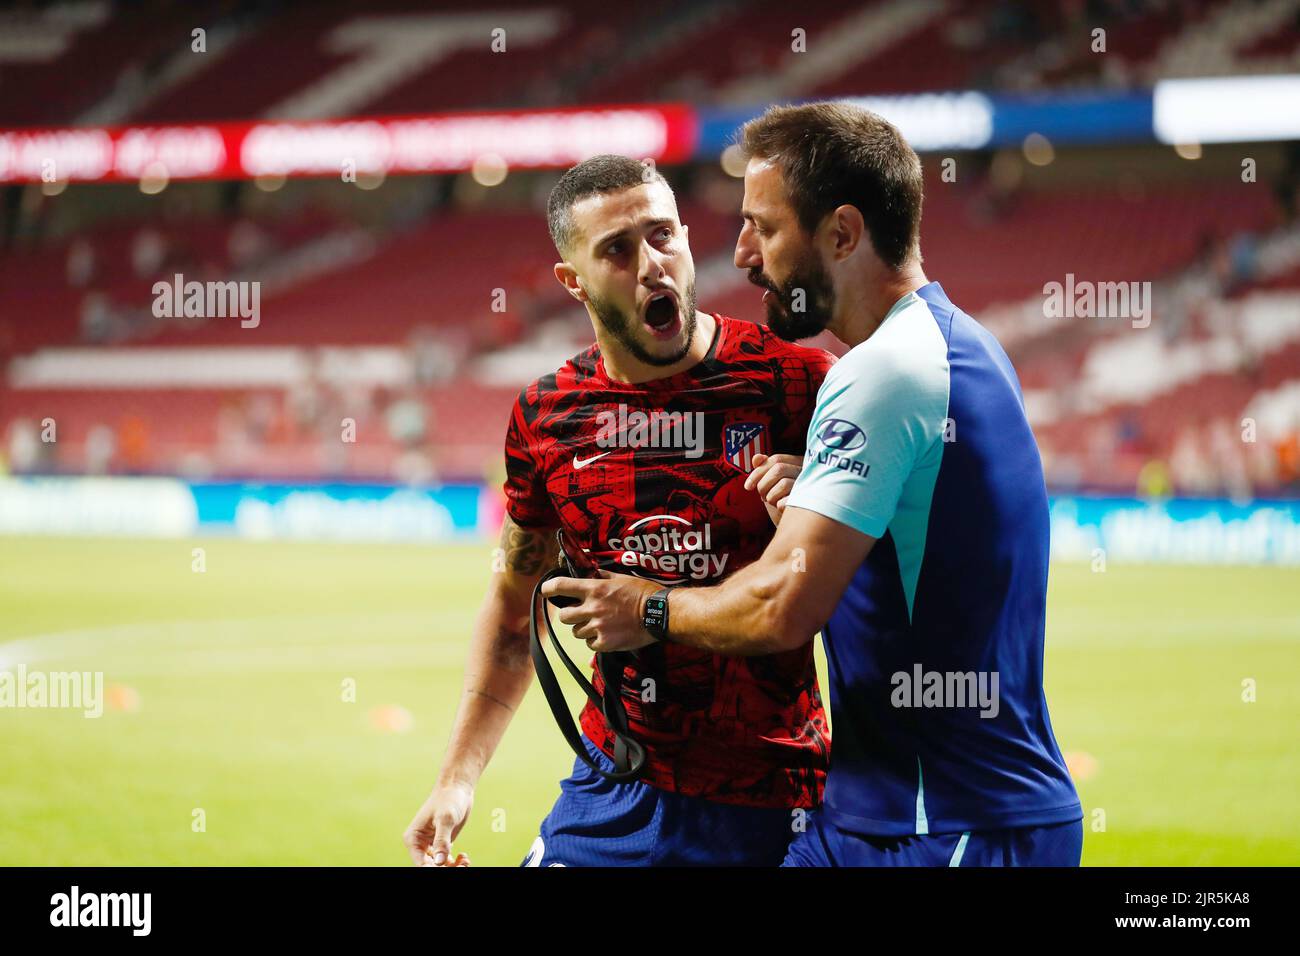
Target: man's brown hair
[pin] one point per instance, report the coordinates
(835, 154)
(606, 173)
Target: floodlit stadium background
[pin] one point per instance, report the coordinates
(270, 535)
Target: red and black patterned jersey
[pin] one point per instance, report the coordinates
(648, 479)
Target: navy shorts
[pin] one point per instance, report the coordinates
(599, 822)
(824, 844)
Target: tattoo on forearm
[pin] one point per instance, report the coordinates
(525, 551)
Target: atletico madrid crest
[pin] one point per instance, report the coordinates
(742, 441)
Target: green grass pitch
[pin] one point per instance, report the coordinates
(229, 688)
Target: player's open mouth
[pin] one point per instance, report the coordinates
(662, 315)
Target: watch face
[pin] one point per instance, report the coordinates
(656, 610)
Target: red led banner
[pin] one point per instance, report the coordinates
(435, 143)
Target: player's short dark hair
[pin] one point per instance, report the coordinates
(836, 154)
(599, 174)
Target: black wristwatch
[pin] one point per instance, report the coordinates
(655, 617)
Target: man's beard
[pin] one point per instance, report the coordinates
(817, 301)
(624, 329)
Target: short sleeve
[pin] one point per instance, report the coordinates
(527, 501)
(879, 412)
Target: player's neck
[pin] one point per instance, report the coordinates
(861, 310)
(621, 366)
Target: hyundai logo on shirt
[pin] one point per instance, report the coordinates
(841, 435)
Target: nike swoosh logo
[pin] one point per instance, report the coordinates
(584, 462)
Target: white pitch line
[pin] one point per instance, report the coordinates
(201, 637)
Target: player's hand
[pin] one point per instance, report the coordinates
(773, 478)
(608, 613)
(461, 860)
(437, 824)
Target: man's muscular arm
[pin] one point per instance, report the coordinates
(497, 675)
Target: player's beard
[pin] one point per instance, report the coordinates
(817, 300)
(625, 328)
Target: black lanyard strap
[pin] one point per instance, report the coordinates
(629, 754)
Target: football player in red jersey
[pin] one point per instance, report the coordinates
(663, 451)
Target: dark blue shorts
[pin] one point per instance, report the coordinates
(824, 844)
(598, 822)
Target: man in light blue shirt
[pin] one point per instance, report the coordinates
(915, 537)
